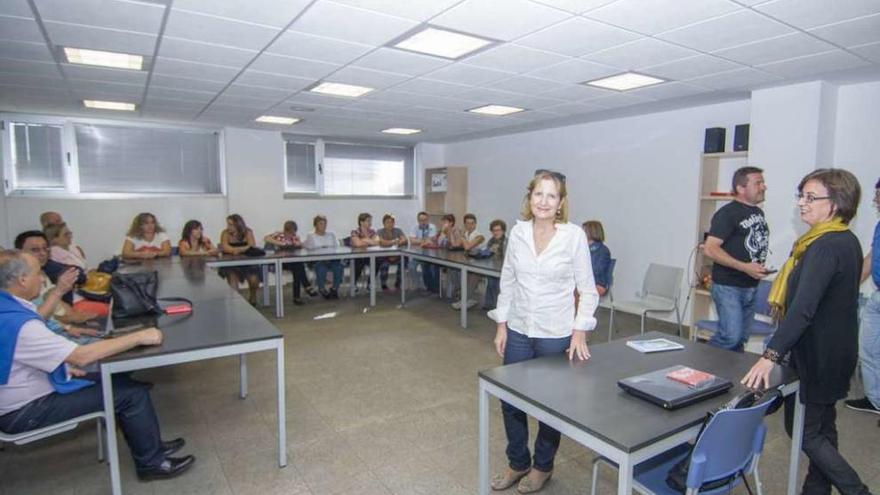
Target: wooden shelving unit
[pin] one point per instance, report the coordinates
(452, 200)
(716, 170)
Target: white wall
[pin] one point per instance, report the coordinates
(255, 186)
(638, 175)
(857, 149)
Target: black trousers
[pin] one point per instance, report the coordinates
(827, 467)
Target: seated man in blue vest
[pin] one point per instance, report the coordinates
(37, 367)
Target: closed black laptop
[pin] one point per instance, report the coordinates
(656, 388)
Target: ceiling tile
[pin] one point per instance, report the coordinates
(268, 12)
(870, 51)
(811, 13)
(36, 52)
(20, 29)
(467, 74)
(205, 53)
(527, 85)
(267, 80)
(401, 62)
(351, 24)
(576, 92)
(574, 108)
(55, 82)
(657, 16)
(746, 78)
(851, 33)
(218, 30)
(27, 67)
(379, 105)
(575, 6)
(689, 68)
(95, 38)
(395, 96)
(417, 10)
(726, 31)
(488, 95)
(183, 68)
(289, 66)
(142, 17)
(574, 71)
(669, 90)
(834, 60)
(450, 104)
(184, 83)
(306, 99)
(577, 36)
(533, 102)
(513, 58)
(195, 97)
(275, 94)
(17, 8)
(244, 101)
(771, 50)
(94, 89)
(102, 74)
(619, 100)
(302, 45)
(167, 112)
(499, 19)
(640, 53)
(366, 77)
(428, 87)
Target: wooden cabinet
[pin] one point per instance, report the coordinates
(446, 192)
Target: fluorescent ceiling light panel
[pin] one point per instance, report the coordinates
(497, 110)
(401, 130)
(110, 105)
(104, 59)
(442, 43)
(339, 89)
(271, 119)
(625, 81)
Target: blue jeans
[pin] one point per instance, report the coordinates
(736, 310)
(134, 413)
(321, 268)
(493, 286)
(522, 348)
(869, 348)
(431, 276)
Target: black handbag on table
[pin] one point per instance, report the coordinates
(134, 294)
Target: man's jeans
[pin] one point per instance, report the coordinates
(134, 413)
(516, 425)
(736, 310)
(869, 348)
(321, 268)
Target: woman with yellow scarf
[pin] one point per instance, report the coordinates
(815, 297)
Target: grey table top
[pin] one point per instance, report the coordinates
(586, 394)
(458, 257)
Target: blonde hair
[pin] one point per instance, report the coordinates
(137, 224)
(594, 230)
(562, 212)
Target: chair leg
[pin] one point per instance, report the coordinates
(644, 314)
(678, 317)
(759, 488)
(100, 430)
(611, 324)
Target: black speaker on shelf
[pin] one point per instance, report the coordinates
(714, 140)
(741, 138)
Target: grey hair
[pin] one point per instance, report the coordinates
(13, 265)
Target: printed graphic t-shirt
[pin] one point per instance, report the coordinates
(745, 236)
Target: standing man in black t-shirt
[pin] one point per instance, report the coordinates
(738, 242)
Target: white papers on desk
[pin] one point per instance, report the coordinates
(654, 345)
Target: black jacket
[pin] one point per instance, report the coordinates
(820, 326)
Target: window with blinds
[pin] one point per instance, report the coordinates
(37, 156)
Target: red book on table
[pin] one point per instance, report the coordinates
(690, 377)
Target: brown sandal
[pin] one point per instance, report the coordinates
(503, 481)
(526, 485)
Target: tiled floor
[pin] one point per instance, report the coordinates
(379, 401)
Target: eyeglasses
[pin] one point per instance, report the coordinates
(809, 198)
(556, 175)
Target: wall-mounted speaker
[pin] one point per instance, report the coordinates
(714, 140)
(741, 137)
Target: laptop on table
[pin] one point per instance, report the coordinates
(656, 387)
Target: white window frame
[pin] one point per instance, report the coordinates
(319, 170)
(71, 161)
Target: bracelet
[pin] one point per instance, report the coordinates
(772, 355)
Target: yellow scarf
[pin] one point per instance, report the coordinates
(780, 285)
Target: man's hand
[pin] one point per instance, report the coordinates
(755, 270)
(149, 336)
(66, 280)
(75, 331)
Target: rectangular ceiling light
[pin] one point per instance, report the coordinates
(339, 89)
(496, 110)
(625, 81)
(442, 43)
(271, 119)
(104, 59)
(401, 130)
(110, 105)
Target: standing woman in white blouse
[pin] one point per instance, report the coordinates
(546, 260)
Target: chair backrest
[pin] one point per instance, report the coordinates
(728, 444)
(762, 307)
(611, 264)
(662, 281)
(345, 241)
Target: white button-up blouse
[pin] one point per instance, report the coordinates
(537, 291)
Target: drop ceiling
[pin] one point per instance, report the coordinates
(227, 62)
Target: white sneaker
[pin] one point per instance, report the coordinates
(471, 303)
(456, 305)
